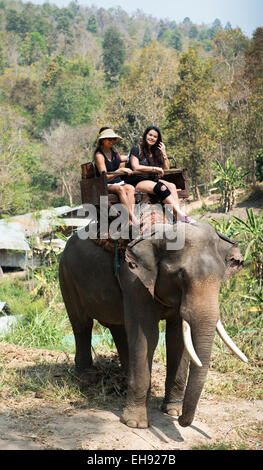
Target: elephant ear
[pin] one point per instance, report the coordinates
(142, 256)
(234, 262)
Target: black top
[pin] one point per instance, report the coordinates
(144, 160)
(111, 165)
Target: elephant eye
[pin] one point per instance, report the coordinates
(132, 265)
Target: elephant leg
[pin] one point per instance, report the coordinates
(83, 359)
(120, 339)
(177, 368)
(82, 328)
(142, 334)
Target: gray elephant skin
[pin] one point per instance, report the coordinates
(180, 286)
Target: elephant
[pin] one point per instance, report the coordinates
(155, 282)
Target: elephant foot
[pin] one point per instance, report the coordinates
(135, 417)
(173, 408)
(88, 376)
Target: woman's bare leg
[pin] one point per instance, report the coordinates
(126, 198)
(147, 187)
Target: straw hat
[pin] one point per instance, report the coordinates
(109, 134)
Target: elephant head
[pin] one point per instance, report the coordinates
(193, 274)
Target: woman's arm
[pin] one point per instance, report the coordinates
(123, 159)
(166, 163)
(100, 163)
(143, 168)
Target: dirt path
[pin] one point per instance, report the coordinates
(44, 413)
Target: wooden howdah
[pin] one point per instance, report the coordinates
(93, 186)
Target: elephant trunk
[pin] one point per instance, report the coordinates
(198, 332)
(202, 337)
(202, 317)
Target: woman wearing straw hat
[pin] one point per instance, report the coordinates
(108, 159)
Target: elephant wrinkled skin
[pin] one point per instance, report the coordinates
(180, 286)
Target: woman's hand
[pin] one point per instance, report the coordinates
(127, 171)
(162, 148)
(158, 170)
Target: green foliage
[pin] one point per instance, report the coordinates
(92, 24)
(190, 122)
(147, 37)
(41, 322)
(40, 327)
(70, 101)
(113, 54)
(224, 226)
(259, 163)
(33, 48)
(2, 61)
(252, 232)
(228, 179)
(52, 71)
(175, 40)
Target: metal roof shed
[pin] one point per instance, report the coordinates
(13, 245)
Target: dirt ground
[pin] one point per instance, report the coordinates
(244, 201)
(43, 415)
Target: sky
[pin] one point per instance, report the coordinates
(247, 14)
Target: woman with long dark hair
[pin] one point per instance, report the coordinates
(149, 157)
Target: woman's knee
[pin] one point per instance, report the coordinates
(118, 190)
(169, 185)
(161, 190)
(129, 189)
(145, 186)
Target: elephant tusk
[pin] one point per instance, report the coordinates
(228, 341)
(189, 344)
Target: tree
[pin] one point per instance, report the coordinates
(92, 25)
(143, 94)
(113, 55)
(228, 179)
(252, 230)
(21, 23)
(33, 48)
(217, 24)
(147, 37)
(64, 151)
(70, 101)
(17, 157)
(190, 124)
(193, 32)
(2, 61)
(228, 26)
(175, 39)
(254, 59)
(259, 165)
(254, 75)
(25, 93)
(229, 48)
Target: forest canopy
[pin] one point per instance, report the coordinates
(65, 72)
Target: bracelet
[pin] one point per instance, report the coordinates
(165, 157)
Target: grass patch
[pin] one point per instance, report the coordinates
(221, 446)
(38, 325)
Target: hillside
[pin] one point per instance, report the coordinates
(66, 72)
